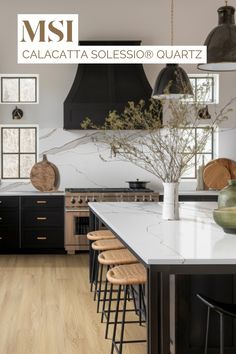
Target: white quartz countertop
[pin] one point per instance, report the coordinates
(33, 193)
(194, 239)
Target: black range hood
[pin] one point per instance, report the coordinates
(100, 88)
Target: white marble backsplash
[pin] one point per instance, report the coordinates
(77, 158)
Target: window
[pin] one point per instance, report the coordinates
(18, 151)
(205, 156)
(205, 88)
(19, 88)
(206, 91)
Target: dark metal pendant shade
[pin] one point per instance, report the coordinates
(221, 43)
(172, 82)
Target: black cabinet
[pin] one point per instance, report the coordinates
(42, 218)
(194, 198)
(9, 202)
(42, 222)
(198, 198)
(36, 238)
(42, 203)
(9, 223)
(31, 223)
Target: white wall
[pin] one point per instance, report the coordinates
(148, 20)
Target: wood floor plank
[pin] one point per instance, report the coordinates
(46, 308)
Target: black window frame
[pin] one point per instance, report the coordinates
(19, 153)
(19, 78)
(197, 155)
(214, 87)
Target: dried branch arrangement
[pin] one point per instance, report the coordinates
(165, 149)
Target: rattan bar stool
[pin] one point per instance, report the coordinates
(125, 276)
(110, 259)
(100, 246)
(100, 235)
(105, 245)
(95, 236)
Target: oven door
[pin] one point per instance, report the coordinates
(77, 227)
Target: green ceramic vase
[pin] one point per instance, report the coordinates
(227, 196)
(226, 218)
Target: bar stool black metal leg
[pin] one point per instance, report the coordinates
(109, 311)
(134, 300)
(123, 319)
(221, 333)
(92, 270)
(143, 301)
(104, 298)
(116, 319)
(140, 304)
(100, 288)
(96, 276)
(207, 329)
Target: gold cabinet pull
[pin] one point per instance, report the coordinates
(0, 218)
(41, 237)
(1, 238)
(41, 218)
(41, 202)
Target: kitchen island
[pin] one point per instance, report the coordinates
(193, 245)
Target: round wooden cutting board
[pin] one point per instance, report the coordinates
(222, 161)
(232, 169)
(44, 176)
(216, 175)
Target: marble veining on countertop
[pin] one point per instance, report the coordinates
(194, 239)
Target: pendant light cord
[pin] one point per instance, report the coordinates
(172, 22)
(226, 3)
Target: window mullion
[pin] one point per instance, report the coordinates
(21, 159)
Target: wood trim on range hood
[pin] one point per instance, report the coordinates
(100, 88)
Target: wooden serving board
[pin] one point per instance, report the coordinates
(222, 161)
(232, 169)
(217, 173)
(216, 176)
(45, 176)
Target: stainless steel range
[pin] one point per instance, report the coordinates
(77, 210)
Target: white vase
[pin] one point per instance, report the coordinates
(170, 209)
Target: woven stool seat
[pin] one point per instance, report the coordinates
(105, 245)
(115, 257)
(131, 274)
(100, 235)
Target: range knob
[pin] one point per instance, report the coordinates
(72, 200)
(144, 199)
(136, 199)
(80, 201)
(86, 200)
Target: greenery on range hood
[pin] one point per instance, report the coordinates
(100, 88)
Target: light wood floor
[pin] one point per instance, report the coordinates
(46, 308)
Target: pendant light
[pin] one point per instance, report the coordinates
(221, 42)
(172, 81)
